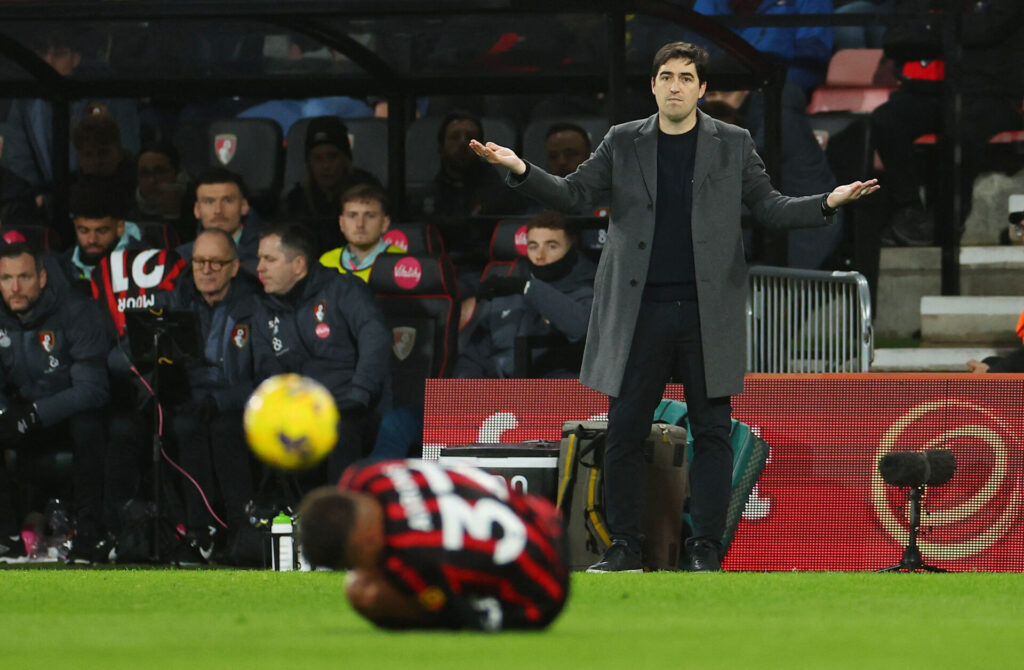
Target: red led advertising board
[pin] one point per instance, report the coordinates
(820, 503)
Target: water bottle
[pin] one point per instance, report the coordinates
(283, 543)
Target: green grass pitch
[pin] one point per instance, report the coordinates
(143, 619)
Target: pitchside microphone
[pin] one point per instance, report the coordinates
(931, 467)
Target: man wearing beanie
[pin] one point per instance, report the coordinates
(329, 173)
(550, 295)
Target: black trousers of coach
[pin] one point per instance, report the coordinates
(667, 347)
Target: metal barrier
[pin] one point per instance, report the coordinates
(808, 321)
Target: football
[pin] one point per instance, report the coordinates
(291, 422)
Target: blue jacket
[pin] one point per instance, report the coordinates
(803, 51)
(56, 357)
(226, 333)
(328, 328)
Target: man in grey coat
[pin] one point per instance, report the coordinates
(671, 285)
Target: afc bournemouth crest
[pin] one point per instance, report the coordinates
(404, 339)
(240, 335)
(47, 340)
(225, 146)
(320, 311)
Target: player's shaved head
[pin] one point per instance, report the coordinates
(340, 529)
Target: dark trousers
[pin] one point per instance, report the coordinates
(667, 346)
(37, 461)
(908, 114)
(214, 453)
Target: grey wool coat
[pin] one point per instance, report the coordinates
(728, 173)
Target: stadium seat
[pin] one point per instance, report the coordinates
(42, 238)
(368, 138)
(418, 295)
(858, 80)
(535, 132)
(253, 149)
(421, 158)
(420, 239)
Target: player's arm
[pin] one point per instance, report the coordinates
(378, 600)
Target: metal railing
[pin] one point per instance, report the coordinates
(808, 321)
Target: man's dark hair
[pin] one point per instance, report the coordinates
(94, 197)
(563, 127)
(366, 192)
(296, 240)
(326, 519)
(15, 249)
(164, 148)
(547, 219)
(53, 36)
(686, 51)
(220, 175)
(459, 115)
(97, 129)
(223, 234)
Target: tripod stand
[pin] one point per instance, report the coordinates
(161, 337)
(912, 560)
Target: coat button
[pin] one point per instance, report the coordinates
(642, 245)
(632, 282)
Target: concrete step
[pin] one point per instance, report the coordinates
(907, 274)
(990, 320)
(931, 359)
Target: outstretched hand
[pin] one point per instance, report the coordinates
(847, 193)
(495, 154)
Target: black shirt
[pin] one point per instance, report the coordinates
(670, 275)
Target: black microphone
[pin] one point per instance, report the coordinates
(932, 467)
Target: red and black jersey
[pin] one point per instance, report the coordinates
(127, 279)
(466, 546)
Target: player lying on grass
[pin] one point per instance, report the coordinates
(429, 546)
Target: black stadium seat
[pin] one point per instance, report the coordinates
(416, 238)
(418, 295)
(421, 157)
(534, 135)
(253, 149)
(368, 138)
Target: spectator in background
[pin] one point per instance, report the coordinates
(29, 143)
(18, 205)
(550, 297)
(804, 169)
(465, 186)
(329, 173)
(207, 421)
(161, 187)
(804, 52)
(52, 385)
(992, 86)
(325, 325)
(221, 203)
(364, 220)
(100, 154)
(97, 213)
(566, 145)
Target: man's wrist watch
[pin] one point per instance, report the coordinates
(825, 209)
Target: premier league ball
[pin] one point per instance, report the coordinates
(291, 422)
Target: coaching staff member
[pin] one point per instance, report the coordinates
(325, 325)
(671, 285)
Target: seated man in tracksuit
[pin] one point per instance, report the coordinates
(207, 415)
(550, 295)
(327, 326)
(363, 221)
(53, 387)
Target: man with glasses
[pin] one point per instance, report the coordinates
(206, 420)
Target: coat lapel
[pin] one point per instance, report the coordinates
(707, 149)
(646, 144)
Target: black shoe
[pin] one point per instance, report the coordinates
(703, 556)
(618, 558)
(12, 550)
(909, 227)
(195, 548)
(83, 550)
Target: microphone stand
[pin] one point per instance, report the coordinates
(912, 560)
